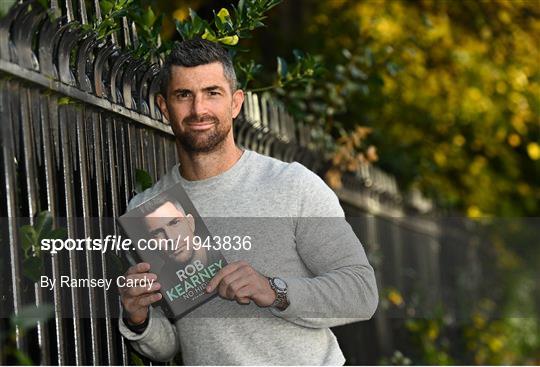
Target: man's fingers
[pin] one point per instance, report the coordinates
(138, 268)
(223, 273)
(243, 295)
(146, 301)
(229, 287)
(147, 276)
(138, 291)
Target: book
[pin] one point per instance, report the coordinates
(168, 233)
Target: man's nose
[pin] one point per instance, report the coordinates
(198, 106)
(168, 233)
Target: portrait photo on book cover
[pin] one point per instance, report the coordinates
(168, 234)
(166, 221)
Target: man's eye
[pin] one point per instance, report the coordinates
(183, 94)
(175, 221)
(213, 93)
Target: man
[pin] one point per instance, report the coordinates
(307, 271)
(166, 220)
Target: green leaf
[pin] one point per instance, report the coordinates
(30, 315)
(193, 15)
(43, 224)
(44, 3)
(143, 180)
(28, 237)
(281, 67)
(298, 54)
(106, 6)
(241, 4)
(64, 101)
(57, 233)
(135, 359)
(32, 268)
(149, 17)
(22, 358)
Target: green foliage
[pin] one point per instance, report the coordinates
(31, 237)
(397, 359)
(426, 334)
(30, 315)
(5, 5)
(143, 180)
(246, 72)
(112, 13)
(25, 320)
(225, 28)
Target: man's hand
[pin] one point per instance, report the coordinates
(136, 300)
(239, 281)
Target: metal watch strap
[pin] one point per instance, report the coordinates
(281, 302)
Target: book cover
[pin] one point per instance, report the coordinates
(168, 233)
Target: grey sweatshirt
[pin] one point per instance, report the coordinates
(298, 233)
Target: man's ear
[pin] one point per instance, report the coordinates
(191, 222)
(237, 101)
(162, 104)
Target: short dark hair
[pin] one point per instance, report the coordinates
(196, 52)
(153, 204)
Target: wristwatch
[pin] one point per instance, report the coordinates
(280, 287)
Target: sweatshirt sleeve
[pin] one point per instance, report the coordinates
(159, 341)
(343, 287)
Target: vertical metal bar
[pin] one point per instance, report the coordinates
(101, 202)
(29, 120)
(57, 12)
(119, 126)
(397, 249)
(85, 199)
(125, 158)
(384, 337)
(160, 58)
(51, 140)
(97, 10)
(10, 162)
(109, 129)
(65, 119)
(141, 148)
(69, 11)
(82, 12)
(126, 32)
(134, 35)
(256, 109)
(114, 198)
(154, 161)
(165, 164)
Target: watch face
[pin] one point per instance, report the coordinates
(280, 284)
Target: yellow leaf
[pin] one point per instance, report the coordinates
(208, 36)
(333, 178)
(223, 14)
(514, 140)
(229, 40)
(395, 297)
(534, 151)
(496, 344)
(474, 212)
(180, 14)
(371, 154)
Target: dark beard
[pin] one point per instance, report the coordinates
(196, 142)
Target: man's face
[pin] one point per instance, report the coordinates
(167, 222)
(200, 106)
